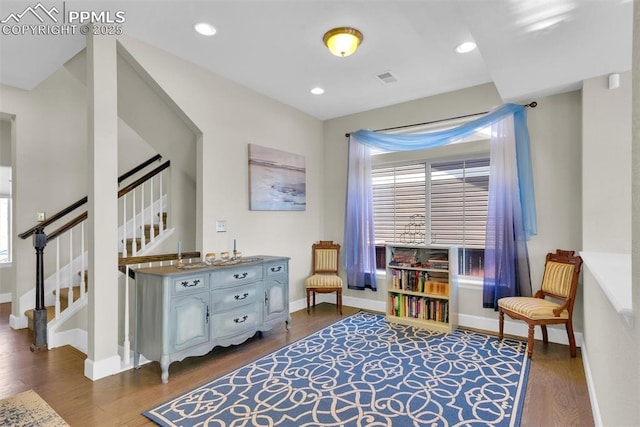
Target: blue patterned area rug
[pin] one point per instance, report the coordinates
(363, 371)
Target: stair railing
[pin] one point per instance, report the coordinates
(41, 239)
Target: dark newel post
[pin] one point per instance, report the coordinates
(40, 312)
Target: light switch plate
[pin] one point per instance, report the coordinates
(42, 217)
(221, 226)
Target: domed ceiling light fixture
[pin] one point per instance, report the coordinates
(342, 41)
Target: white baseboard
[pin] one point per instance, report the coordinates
(18, 322)
(595, 408)
(94, 370)
(364, 304)
(5, 297)
(297, 305)
(76, 338)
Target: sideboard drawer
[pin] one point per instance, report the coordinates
(189, 284)
(234, 321)
(227, 299)
(235, 276)
(276, 268)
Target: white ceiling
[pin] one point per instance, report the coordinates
(275, 47)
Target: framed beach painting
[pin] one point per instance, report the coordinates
(277, 180)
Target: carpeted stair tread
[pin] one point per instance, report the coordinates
(51, 312)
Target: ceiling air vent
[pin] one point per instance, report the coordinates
(387, 77)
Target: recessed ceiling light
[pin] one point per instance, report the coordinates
(317, 91)
(465, 47)
(205, 29)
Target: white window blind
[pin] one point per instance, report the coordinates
(459, 197)
(399, 194)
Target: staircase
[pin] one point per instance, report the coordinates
(143, 226)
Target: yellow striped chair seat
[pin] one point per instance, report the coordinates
(532, 308)
(324, 281)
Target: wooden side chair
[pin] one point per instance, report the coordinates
(560, 282)
(325, 277)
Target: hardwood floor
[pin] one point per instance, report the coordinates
(556, 391)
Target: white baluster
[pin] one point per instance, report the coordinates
(161, 222)
(124, 226)
(134, 245)
(126, 345)
(57, 304)
(142, 235)
(82, 265)
(70, 280)
(152, 228)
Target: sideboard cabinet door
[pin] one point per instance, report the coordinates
(275, 299)
(189, 321)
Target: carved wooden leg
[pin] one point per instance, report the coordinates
(340, 301)
(545, 335)
(572, 339)
(314, 297)
(164, 364)
(530, 341)
(308, 292)
(501, 324)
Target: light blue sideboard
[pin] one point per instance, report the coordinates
(186, 312)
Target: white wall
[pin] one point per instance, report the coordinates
(606, 158)
(612, 343)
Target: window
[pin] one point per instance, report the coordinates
(433, 202)
(459, 198)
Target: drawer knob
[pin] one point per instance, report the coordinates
(241, 276)
(238, 297)
(241, 320)
(276, 269)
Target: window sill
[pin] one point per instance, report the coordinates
(613, 273)
(470, 282)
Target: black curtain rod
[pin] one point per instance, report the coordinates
(532, 104)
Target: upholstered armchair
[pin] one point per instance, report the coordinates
(560, 283)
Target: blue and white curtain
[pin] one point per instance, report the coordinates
(511, 218)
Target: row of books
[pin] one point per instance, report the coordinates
(417, 281)
(436, 264)
(419, 307)
(411, 257)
